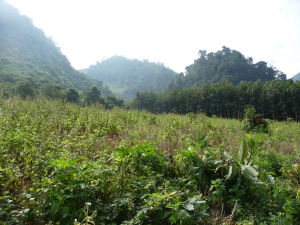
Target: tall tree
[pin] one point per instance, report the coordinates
(52, 91)
(72, 96)
(93, 95)
(274, 99)
(24, 89)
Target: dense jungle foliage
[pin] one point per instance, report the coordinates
(68, 164)
(26, 55)
(224, 65)
(125, 77)
(277, 100)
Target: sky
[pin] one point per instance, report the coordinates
(170, 31)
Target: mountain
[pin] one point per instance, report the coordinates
(296, 77)
(125, 77)
(26, 53)
(225, 65)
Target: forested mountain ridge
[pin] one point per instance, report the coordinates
(126, 77)
(26, 53)
(225, 65)
(296, 77)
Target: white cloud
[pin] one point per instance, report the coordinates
(170, 31)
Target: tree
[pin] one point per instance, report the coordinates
(52, 91)
(274, 99)
(24, 89)
(93, 95)
(72, 96)
(111, 101)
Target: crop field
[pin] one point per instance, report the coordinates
(68, 164)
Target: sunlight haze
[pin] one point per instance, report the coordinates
(170, 31)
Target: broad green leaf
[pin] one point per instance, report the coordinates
(227, 156)
(173, 218)
(192, 202)
(232, 171)
(249, 172)
(189, 206)
(248, 137)
(54, 208)
(200, 202)
(270, 179)
(192, 199)
(259, 137)
(243, 152)
(228, 176)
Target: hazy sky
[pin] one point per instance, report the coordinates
(170, 31)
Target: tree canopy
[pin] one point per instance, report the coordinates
(273, 99)
(225, 65)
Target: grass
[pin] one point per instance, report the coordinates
(59, 161)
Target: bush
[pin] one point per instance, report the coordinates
(254, 122)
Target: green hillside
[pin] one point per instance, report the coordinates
(225, 65)
(126, 77)
(26, 53)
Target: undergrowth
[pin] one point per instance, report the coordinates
(66, 164)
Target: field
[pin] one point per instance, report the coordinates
(67, 164)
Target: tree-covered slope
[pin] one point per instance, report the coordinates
(25, 52)
(296, 77)
(126, 77)
(225, 65)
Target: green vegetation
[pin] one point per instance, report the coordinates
(275, 99)
(254, 122)
(69, 156)
(68, 164)
(126, 77)
(27, 55)
(225, 65)
(93, 96)
(29, 90)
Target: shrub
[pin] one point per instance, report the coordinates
(290, 120)
(254, 122)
